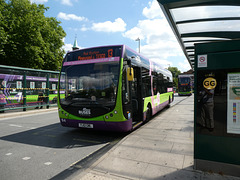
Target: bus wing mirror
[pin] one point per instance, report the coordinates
(130, 74)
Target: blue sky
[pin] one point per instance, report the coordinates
(109, 22)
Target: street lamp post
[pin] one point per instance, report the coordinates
(138, 39)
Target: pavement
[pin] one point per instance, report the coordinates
(160, 149)
(28, 112)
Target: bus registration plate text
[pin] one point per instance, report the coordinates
(83, 125)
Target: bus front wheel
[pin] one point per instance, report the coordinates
(149, 112)
(169, 102)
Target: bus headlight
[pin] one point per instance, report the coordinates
(106, 117)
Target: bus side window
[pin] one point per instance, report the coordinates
(160, 83)
(125, 86)
(146, 83)
(155, 83)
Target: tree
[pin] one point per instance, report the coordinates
(175, 72)
(28, 38)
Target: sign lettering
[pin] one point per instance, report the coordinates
(202, 61)
(95, 55)
(110, 53)
(210, 83)
(85, 112)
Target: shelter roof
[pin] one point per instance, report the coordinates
(202, 21)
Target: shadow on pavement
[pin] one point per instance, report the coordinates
(56, 136)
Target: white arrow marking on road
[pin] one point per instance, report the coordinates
(26, 158)
(48, 163)
(15, 125)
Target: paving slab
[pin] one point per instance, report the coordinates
(160, 149)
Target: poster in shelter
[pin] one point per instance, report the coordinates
(32, 85)
(233, 103)
(44, 85)
(19, 84)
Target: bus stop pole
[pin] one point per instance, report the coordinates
(24, 91)
(47, 91)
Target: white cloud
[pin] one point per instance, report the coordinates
(117, 26)
(68, 17)
(148, 28)
(67, 47)
(39, 1)
(134, 33)
(84, 28)
(158, 41)
(184, 66)
(66, 2)
(153, 11)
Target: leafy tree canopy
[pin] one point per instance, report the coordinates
(175, 72)
(28, 38)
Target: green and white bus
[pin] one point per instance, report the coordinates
(185, 84)
(111, 88)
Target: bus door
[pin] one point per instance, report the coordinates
(136, 95)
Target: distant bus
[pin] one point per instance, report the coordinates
(185, 84)
(111, 88)
(12, 90)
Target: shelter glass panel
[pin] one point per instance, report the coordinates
(192, 13)
(209, 26)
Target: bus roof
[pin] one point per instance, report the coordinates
(185, 75)
(95, 47)
(154, 65)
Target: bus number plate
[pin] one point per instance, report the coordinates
(82, 125)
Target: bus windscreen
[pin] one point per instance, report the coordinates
(184, 80)
(90, 83)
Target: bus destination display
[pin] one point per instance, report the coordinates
(94, 53)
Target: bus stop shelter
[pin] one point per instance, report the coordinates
(208, 32)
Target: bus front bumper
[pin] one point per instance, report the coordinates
(123, 126)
